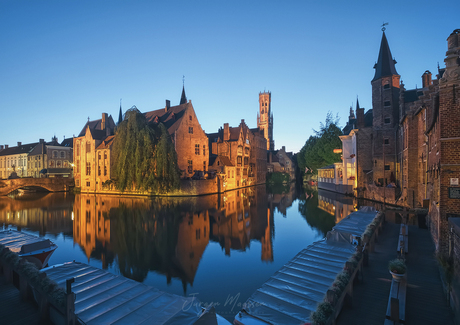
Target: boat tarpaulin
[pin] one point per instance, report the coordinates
(20, 242)
(106, 298)
(353, 225)
(294, 291)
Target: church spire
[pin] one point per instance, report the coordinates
(120, 115)
(183, 98)
(357, 103)
(385, 65)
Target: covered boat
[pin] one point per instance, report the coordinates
(105, 298)
(34, 249)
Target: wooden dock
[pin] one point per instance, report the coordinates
(425, 300)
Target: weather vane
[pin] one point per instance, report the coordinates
(383, 26)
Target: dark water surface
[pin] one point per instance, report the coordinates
(219, 248)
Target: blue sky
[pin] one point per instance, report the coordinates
(64, 61)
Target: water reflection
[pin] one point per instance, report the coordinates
(176, 244)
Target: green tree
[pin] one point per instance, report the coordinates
(318, 149)
(144, 156)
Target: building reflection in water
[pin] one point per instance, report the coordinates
(336, 204)
(39, 212)
(170, 235)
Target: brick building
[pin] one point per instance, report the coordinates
(280, 161)
(190, 141)
(430, 128)
(239, 155)
(412, 140)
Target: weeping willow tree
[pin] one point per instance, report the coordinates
(144, 156)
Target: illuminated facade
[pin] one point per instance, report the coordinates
(92, 154)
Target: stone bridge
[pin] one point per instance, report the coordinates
(52, 184)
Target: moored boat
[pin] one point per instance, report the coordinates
(33, 248)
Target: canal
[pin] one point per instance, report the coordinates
(218, 248)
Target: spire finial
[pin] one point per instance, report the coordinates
(88, 118)
(183, 80)
(383, 26)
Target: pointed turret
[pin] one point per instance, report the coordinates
(183, 98)
(120, 115)
(385, 65)
(357, 104)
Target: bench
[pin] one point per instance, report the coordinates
(403, 242)
(396, 308)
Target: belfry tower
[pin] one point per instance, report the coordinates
(265, 118)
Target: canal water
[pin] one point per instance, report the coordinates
(217, 248)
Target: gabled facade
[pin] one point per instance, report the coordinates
(190, 141)
(86, 161)
(245, 149)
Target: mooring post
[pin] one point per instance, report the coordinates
(70, 302)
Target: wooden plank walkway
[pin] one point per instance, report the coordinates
(12, 309)
(425, 302)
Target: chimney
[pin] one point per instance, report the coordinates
(168, 105)
(226, 132)
(426, 79)
(1, 147)
(283, 148)
(19, 144)
(41, 140)
(104, 119)
(6, 146)
(360, 118)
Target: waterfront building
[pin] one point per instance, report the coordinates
(92, 153)
(51, 159)
(189, 139)
(280, 161)
(13, 160)
(238, 154)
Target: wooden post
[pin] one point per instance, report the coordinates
(330, 297)
(70, 303)
(394, 309)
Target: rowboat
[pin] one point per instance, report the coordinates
(34, 249)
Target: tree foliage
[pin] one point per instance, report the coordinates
(318, 149)
(144, 156)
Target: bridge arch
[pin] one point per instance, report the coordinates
(53, 184)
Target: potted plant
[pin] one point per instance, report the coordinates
(397, 269)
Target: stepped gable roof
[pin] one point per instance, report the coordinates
(385, 65)
(23, 148)
(97, 125)
(171, 118)
(106, 143)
